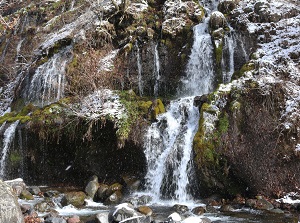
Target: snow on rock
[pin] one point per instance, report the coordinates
(276, 24)
(106, 63)
(100, 104)
(179, 14)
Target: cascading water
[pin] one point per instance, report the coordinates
(139, 65)
(168, 150)
(227, 62)
(156, 70)
(200, 72)
(168, 142)
(8, 137)
(47, 84)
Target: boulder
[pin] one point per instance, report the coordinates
(9, 207)
(35, 190)
(217, 20)
(226, 6)
(75, 198)
(199, 210)
(44, 206)
(17, 185)
(226, 208)
(114, 198)
(181, 209)
(125, 213)
(101, 192)
(92, 187)
(55, 220)
(26, 195)
(174, 217)
(102, 217)
(113, 188)
(73, 219)
(145, 210)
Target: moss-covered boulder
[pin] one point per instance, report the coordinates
(75, 198)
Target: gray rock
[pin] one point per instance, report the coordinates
(55, 220)
(126, 213)
(199, 210)
(26, 195)
(75, 198)
(101, 192)
(102, 217)
(17, 185)
(226, 6)
(35, 190)
(114, 198)
(217, 20)
(44, 206)
(226, 208)
(9, 207)
(92, 187)
(181, 209)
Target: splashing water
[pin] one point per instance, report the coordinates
(168, 142)
(168, 150)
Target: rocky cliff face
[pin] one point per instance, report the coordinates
(255, 133)
(58, 58)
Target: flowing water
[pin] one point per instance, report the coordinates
(47, 84)
(8, 138)
(168, 143)
(139, 66)
(156, 72)
(227, 62)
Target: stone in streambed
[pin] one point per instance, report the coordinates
(114, 198)
(181, 209)
(35, 190)
(102, 217)
(199, 210)
(92, 187)
(75, 198)
(112, 188)
(101, 192)
(145, 210)
(26, 195)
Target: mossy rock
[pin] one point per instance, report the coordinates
(75, 198)
(157, 108)
(245, 68)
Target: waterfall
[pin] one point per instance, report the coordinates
(139, 65)
(47, 84)
(8, 138)
(156, 70)
(227, 63)
(200, 67)
(168, 142)
(168, 150)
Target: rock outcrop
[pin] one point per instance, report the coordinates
(9, 207)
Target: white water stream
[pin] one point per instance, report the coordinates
(139, 65)
(8, 137)
(47, 84)
(168, 143)
(156, 70)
